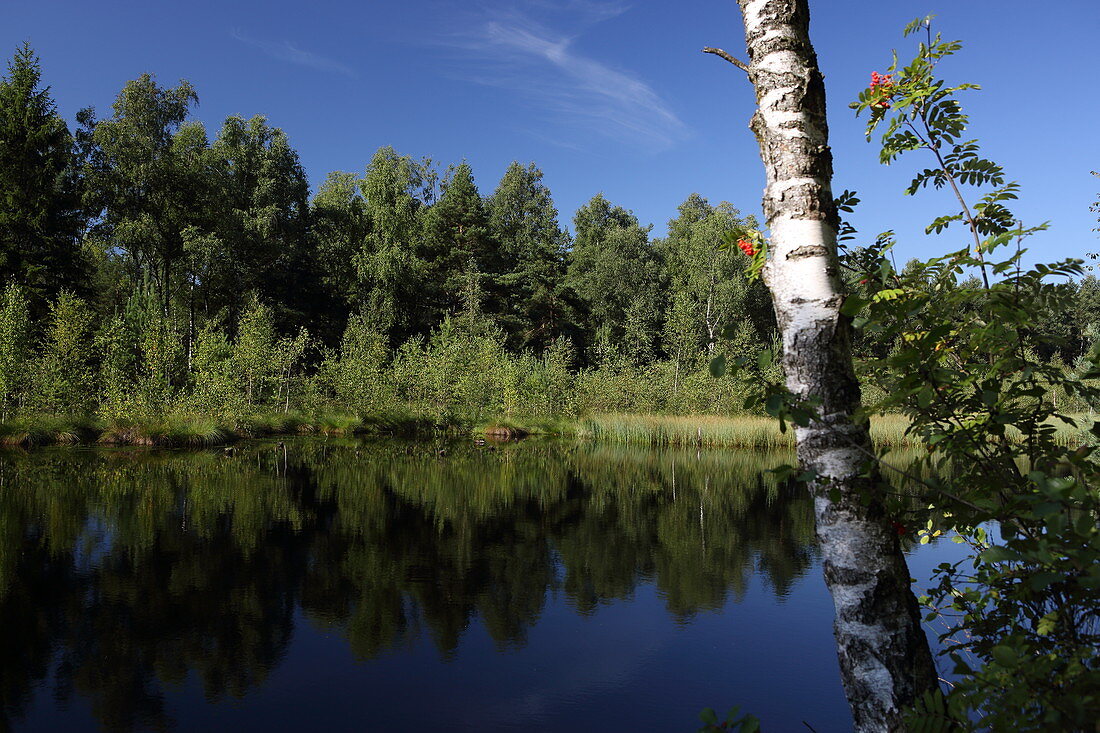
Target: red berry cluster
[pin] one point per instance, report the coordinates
(747, 247)
(882, 86)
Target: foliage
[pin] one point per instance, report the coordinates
(964, 367)
(14, 347)
(524, 222)
(62, 372)
(41, 216)
(614, 271)
(733, 722)
(215, 287)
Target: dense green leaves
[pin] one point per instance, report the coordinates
(977, 366)
(41, 216)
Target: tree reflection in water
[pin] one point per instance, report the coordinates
(122, 573)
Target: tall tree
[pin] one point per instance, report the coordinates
(261, 222)
(523, 220)
(389, 264)
(338, 213)
(884, 656)
(614, 271)
(710, 279)
(151, 180)
(41, 217)
(458, 246)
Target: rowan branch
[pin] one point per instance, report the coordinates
(722, 54)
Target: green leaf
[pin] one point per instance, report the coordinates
(1041, 580)
(1004, 655)
(998, 553)
(718, 366)
(852, 305)
(764, 359)
(751, 724)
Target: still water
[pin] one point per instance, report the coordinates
(321, 585)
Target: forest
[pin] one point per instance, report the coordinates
(164, 284)
(154, 271)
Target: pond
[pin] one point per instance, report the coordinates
(343, 585)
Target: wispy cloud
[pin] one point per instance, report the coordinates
(287, 51)
(510, 49)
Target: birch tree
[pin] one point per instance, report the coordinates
(884, 656)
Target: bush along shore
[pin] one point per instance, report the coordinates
(138, 381)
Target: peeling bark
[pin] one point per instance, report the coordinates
(884, 657)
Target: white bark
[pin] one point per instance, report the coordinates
(884, 657)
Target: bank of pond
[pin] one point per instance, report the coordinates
(383, 584)
(196, 431)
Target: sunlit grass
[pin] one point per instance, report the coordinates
(754, 432)
(196, 430)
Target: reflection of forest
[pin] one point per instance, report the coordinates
(121, 573)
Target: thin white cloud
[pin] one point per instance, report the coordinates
(287, 51)
(513, 51)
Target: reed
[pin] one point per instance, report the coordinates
(746, 431)
(197, 430)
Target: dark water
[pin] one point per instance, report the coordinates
(346, 586)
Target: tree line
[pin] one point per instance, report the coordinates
(147, 266)
(150, 248)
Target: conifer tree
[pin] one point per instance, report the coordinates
(456, 238)
(41, 218)
(614, 271)
(523, 220)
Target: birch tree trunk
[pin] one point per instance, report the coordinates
(884, 657)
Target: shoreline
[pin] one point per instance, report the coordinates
(190, 431)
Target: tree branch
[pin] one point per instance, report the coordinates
(722, 54)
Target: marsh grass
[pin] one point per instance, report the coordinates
(27, 432)
(187, 430)
(887, 431)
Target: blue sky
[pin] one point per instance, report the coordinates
(602, 95)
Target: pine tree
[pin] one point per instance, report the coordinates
(614, 271)
(41, 218)
(456, 238)
(523, 220)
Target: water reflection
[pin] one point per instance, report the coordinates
(124, 574)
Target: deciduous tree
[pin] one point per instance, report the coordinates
(884, 656)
